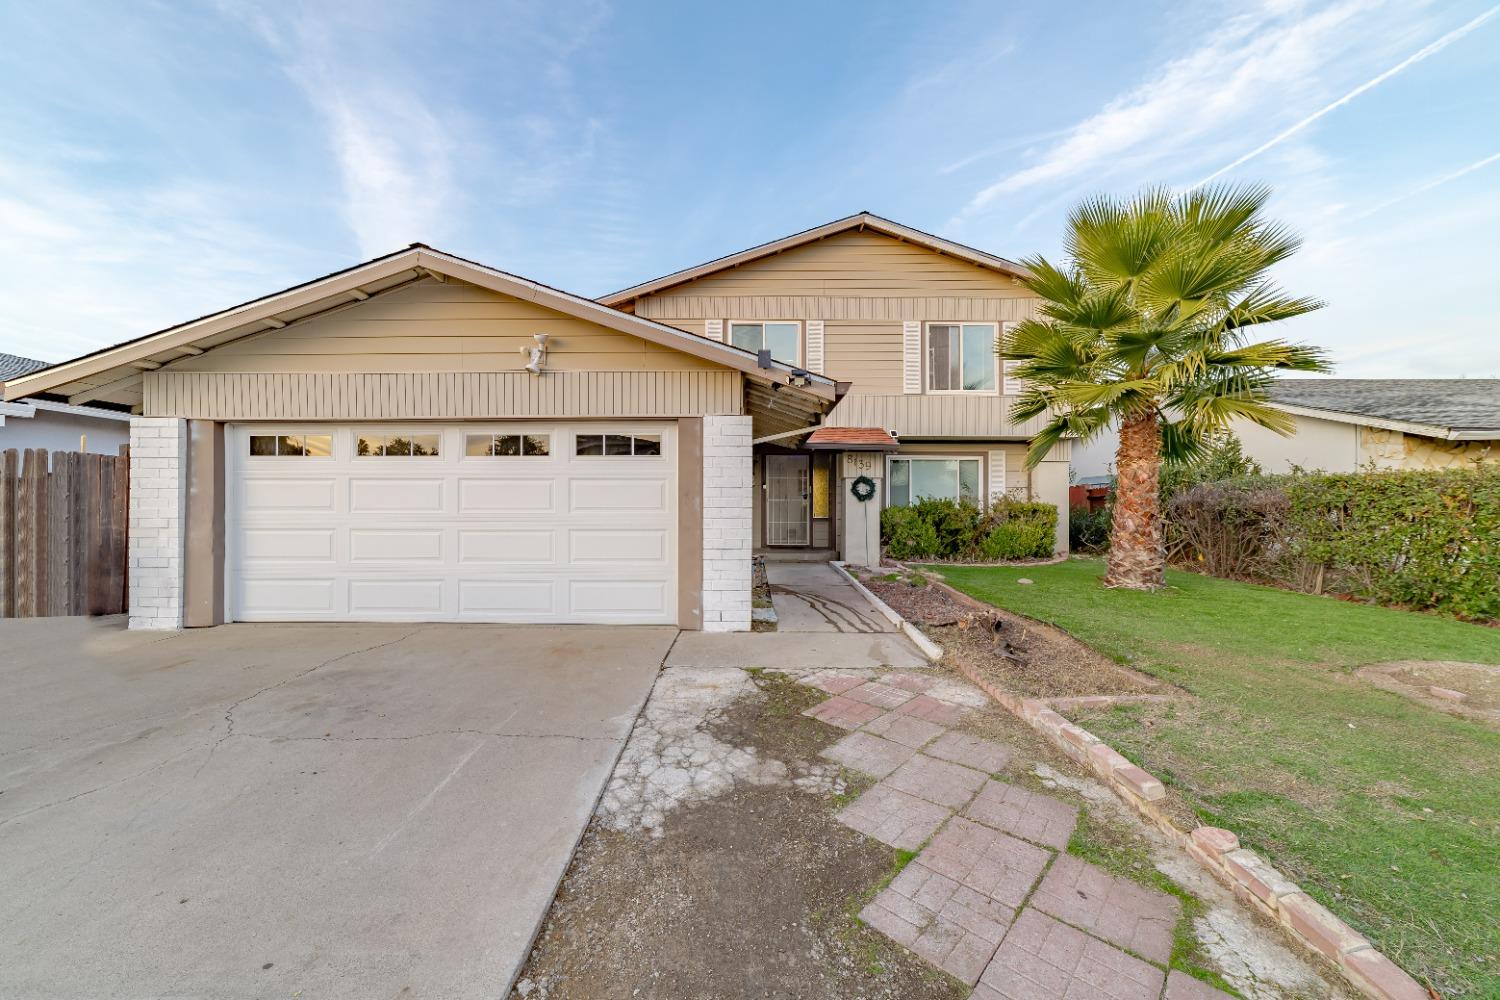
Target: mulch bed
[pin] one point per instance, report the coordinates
(1043, 661)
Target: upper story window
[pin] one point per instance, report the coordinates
(617, 444)
(283, 445)
(783, 340)
(397, 445)
(961, 357)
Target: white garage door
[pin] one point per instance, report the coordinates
(564, 522)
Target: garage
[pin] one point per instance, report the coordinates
(523, 521)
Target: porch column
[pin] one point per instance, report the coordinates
(860, 524)
(158, 509)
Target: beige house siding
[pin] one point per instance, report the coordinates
(440, 326)
(980, 418)
(1318, 444)
(439, 395)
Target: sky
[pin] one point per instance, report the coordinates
(160, 161)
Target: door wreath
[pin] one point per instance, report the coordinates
(863, 489)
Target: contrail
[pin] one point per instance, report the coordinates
(1424, 188)
(1411, 60)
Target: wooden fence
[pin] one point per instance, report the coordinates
(63, 528)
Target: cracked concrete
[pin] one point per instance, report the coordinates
(268, 810)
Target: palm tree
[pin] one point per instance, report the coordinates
(1146, 324)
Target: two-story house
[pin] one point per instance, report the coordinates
(421, 437)
(907, 323)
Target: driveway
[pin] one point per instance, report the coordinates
(296, 810)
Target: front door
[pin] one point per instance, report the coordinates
(788, 499)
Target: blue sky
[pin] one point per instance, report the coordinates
(160, 161)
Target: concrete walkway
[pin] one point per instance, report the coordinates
(814, 597)
(297, 810)
(992, 898)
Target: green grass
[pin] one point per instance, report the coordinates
(1388, 812)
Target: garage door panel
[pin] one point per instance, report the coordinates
(619, 494)
(378, 546)
(313, 545)
(392, 496)
(274, 596)
(501, 496)
(589, 546)
(623, 597)
(455, 536)
(289, 494)
(511, 598)
(395, 597)
(521, 546)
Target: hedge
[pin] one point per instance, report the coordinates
(960, 531)
(1419, 539)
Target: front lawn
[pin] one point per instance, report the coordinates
(1385, 810)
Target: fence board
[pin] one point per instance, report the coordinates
(63, 533)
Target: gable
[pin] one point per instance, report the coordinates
(434, 326)
(853, 263)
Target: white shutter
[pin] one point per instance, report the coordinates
(997, 475)
(911, 357)
(1007, 367)
(815, 346)
(713, 329)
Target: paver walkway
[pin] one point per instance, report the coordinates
(990, 896)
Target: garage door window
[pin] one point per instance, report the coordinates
(507, 445)
(286, 445)
(617, 444)
(397, 445)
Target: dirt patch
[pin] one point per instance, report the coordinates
(1471, 690)
(750, 893)
(1044, 662)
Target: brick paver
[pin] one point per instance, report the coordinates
(1042, 959)
(868, 754)
(970, 751)
(905, 729)
(833, 683)
(843, 712)
(989, 862)
(950, 925)
(917, 683)
(1181, 986)
(929, 708)
(1030, 815)
(880, 695)
(893, 817)
(1108, 906)
(951, 785)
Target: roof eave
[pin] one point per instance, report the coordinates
(1389, 424)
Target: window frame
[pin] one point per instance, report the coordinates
(730, 324)
(999, 373)
(550, 434)
(358, 432)
(251, 433)
(980, 487)
(660, 436)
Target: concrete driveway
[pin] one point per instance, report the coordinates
(297, 810)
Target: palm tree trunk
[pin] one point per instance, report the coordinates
(1137, 559)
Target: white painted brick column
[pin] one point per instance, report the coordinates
(727, 498)
(158, 508)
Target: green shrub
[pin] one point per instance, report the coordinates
(1420, 539)
(1088, 530)
(966, 532)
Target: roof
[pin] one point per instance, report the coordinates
(861, 220)
(1454, 408)
(852, 439)
(117, 370)
(12, 365)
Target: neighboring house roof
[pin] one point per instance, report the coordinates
(1452, 408)
(12, 365)
(852, 439)
(862, 220)
(112, 369)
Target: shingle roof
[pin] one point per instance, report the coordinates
(852, 439)
(12, 365)
(1457, 404)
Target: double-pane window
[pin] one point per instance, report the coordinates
(913, 479)
(781, 339)
(961, 357)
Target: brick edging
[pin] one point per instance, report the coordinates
(1252, 879)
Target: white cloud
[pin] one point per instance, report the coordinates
(1255, 64)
